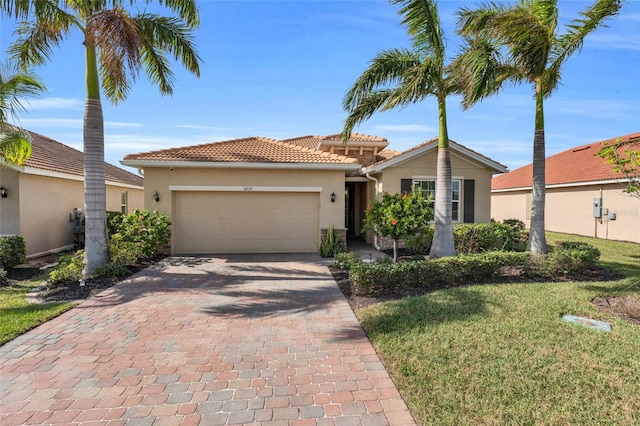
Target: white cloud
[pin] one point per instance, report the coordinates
(404, 128)
(598, 108)
(613, 41)
(56, 103)
(73, 122)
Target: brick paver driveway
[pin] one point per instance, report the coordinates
(220, 340)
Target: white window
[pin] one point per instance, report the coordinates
(123, 202)
(428, 187)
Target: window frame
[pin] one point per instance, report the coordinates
(459, 179)
(124, 201)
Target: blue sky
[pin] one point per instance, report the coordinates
(280, 69)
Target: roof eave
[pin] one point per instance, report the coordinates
(565, 185)
(141, 164)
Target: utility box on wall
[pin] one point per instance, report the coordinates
(597, 207)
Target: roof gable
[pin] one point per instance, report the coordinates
(52, 156)
(577, 165)
(431, 145)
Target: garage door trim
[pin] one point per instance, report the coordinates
(246, 188)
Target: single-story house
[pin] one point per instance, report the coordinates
(42, 198)
(583, 195)
(259, 195)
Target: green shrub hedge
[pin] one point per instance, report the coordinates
(373, 278)
(13, 251)
(480, 237)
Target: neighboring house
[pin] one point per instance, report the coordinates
(44, 194)
(260, 195)
(576, 180)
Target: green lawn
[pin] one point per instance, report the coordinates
(17, 316)
(500, 354)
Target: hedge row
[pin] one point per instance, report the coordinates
(371, 278)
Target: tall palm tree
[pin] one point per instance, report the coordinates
(522, 43)
(118, 44)
(400, 77)
(15, 143)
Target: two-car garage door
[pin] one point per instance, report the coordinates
(245, 222)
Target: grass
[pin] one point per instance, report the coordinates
(500, 354)
(17, 316)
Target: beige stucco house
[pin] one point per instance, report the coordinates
(43, 195)
(260, 195)
(583, 195)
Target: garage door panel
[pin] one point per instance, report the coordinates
(227, 222)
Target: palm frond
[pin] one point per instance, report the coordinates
(162, 36)
(15, 145)
(571, 41)
(14, 86)
(35, 42)
(187, 10)
(115, 35)
(386, 69)
(423, 22)
(364, 109)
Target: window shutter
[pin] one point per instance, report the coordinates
(405, 186)
(469, 200)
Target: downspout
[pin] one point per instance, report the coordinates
(375, 237)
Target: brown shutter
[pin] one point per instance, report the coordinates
(406, 186)
(469, 200)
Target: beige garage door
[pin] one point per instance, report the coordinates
(245, 222)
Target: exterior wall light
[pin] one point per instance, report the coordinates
(333, 197)
(156, 196)
(3, 192)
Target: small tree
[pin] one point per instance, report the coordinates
(398, 216)
(625, 158)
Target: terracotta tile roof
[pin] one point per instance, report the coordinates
(246, 150)
(51, 155)
(355, 137)
(576, 165)
(310, 141)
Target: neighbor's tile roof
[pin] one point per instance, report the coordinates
(576, 165)
(247, 150)
(355, 137)
(51, 155)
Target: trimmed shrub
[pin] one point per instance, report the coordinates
(420, 242)
(370, 279)
(114, 219)
(150, 229)
(347, 260)
(111, 270)
(568, 258)
(13, 251)
(124, 253)
(3, 276)
(69, 269)
(480, 237)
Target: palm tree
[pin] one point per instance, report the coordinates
(399, 77)
(518, 44)
(118, 44)
(15, 143)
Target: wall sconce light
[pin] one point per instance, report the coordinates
(156, 196)
(333, 197)
(3, 192)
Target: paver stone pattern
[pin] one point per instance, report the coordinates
(262, 339)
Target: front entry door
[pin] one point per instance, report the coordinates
(349, 208)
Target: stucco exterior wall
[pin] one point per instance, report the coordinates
(569, 210)
(39, 208)
(10, 206)
(425, 166)
(331, 181)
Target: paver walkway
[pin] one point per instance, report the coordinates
(220, 340)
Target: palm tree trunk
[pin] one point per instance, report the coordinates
(443, 237)
(96, 247)
(537, 243)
